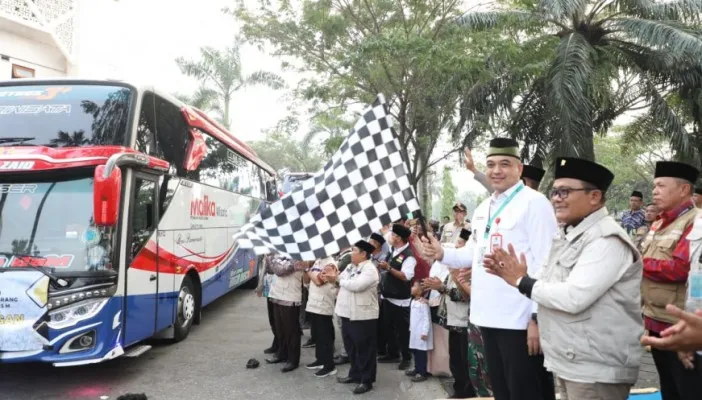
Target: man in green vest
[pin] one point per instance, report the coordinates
(666, 260)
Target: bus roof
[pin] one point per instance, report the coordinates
(208, 124)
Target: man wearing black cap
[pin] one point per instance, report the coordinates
(451, 230)
(697, 196)
(524, 217)
(398, 271)
(357, 305)
(532, 176)
(666, 259)
(636, 216)
(379, 255)
(588, 296)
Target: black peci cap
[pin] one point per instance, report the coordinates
(365, 246)
(401, 231)
(532, 172)
(503, 147)
(584, 170)
(636, 193)
(378, 238)
(672, 169)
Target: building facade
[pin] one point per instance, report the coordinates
(38, 38)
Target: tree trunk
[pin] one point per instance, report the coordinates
(225, 112)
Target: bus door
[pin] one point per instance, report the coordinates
(141, 309)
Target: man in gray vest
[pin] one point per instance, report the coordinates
(396, 283)
(589, 291)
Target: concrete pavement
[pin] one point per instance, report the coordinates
(208, 365)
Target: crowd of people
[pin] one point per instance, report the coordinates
(531, 291)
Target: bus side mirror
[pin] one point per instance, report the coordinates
(106, 196)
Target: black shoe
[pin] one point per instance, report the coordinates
(289, 367)
(315, 365)
(419, 378)
(324, 372)
(309, 343)
(362, 388)
(275, 360)
(346, 379)
(341, 360)
(411, 372)
(388, 359)
(270, 350)
(404, 364)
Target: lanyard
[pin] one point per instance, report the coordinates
(499, 210)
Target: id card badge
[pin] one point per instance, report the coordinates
(495, 242)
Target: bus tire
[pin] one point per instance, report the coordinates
(187, 309)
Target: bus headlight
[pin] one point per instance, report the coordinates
(70, 315)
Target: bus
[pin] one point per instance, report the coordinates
(118, 206)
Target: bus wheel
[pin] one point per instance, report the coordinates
(187, 307)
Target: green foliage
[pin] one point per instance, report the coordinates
(448, 194)
(220, 74)
(633, 167)
(605, 58)
(281, 150)
(413, 52)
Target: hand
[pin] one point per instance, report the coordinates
(465, 275)
(533, 342)
(687, 358)
(468, 160)
(259, 292)
(686, 335)
(432, 248)
(431, 284)
(300, 265)
(506, 265)
(383, 265)
(425, 337)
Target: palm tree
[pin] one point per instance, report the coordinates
(333, 126)
(220, 72)
(65, 139)
(607, 57)
(204, 99)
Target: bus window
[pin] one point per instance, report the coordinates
(171, 134)
(146, 130)
(143, 222)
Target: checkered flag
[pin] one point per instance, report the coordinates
(363, 187)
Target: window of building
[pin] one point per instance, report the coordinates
(20, 72)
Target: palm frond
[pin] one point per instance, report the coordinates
(672, 127)
(566, 88)
(564, 10)
(192, 68)
(492, 19)
(678, 10)
(677, 39)
(266, 78)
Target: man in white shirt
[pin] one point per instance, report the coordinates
(589, 291)
(521, 216)
(398, 271)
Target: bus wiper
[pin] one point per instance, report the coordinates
(17, 139)
(58, 281)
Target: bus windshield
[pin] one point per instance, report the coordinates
(64, 115)
(50, 224)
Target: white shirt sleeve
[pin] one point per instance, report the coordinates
(482, 179)
(542, 225)
(602, 263)
(459, 258)
(362, 281)
(408, 267)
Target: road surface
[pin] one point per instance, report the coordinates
(208, 365)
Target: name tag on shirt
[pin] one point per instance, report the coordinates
(481, 254)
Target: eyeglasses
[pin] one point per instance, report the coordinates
(563, 192)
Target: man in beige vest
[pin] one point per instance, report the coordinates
(589, 311)
(320, 308)
(286, 295)
(451, 231)
(357, 305)
(666, 259)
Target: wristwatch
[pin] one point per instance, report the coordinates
(534, 318)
